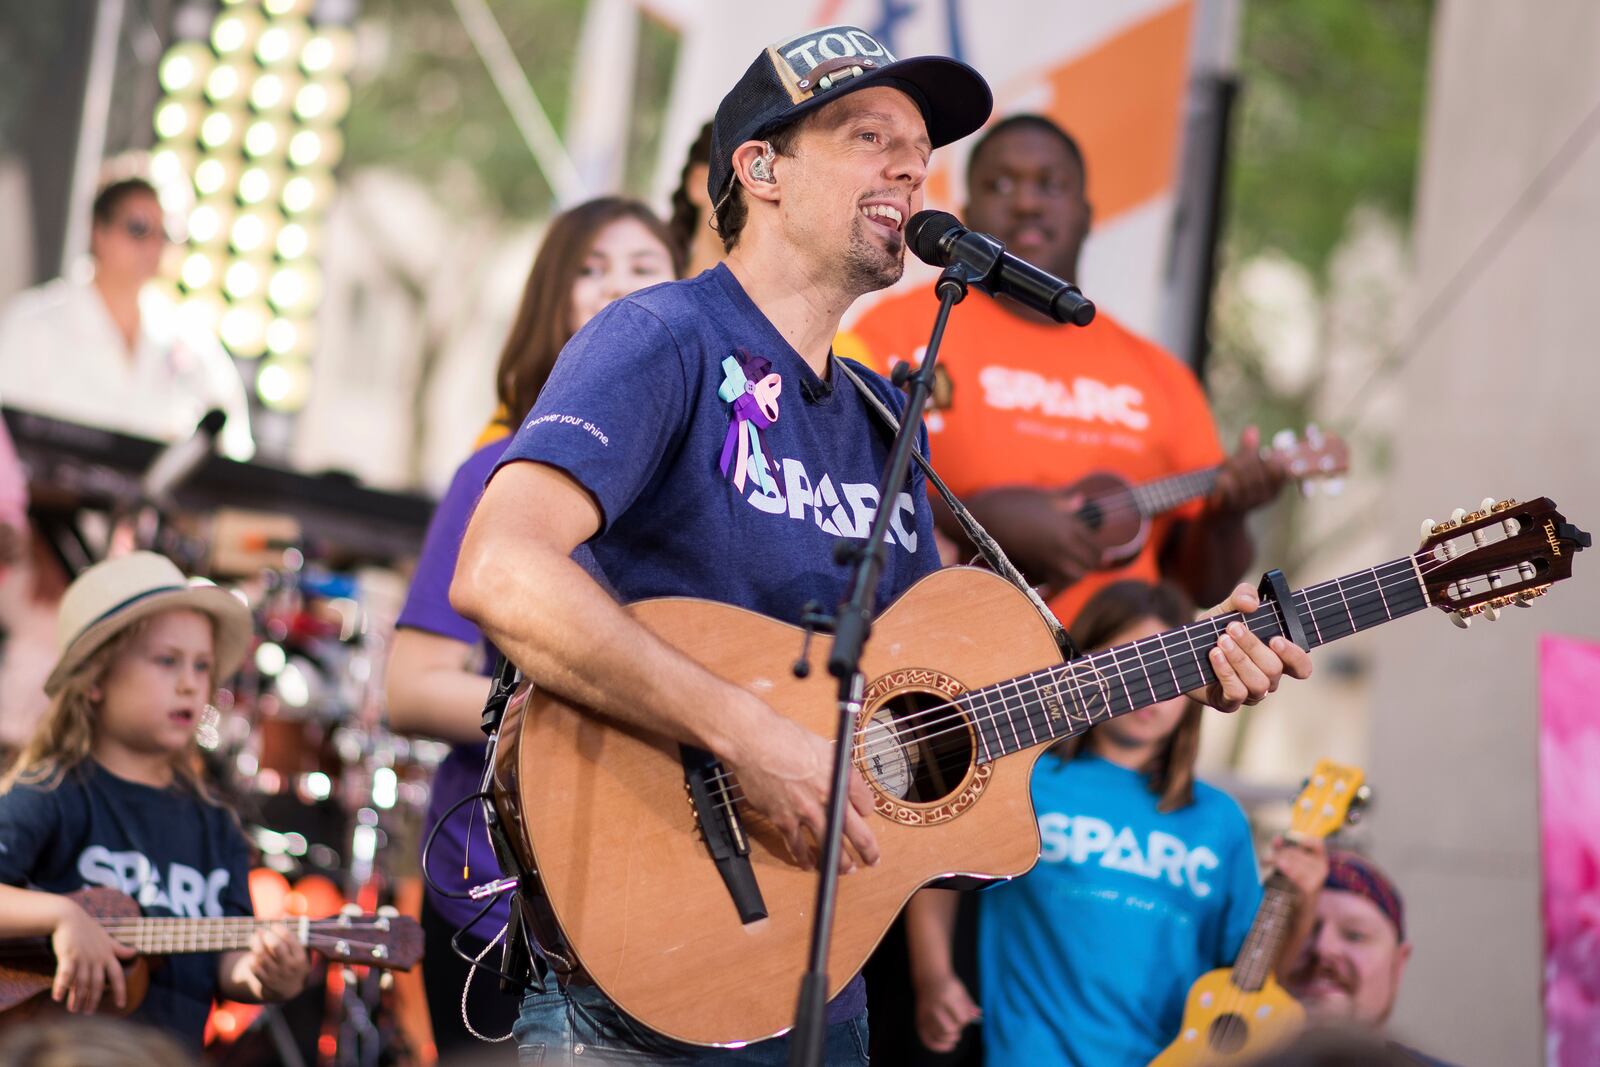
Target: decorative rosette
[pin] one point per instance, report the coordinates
(751, 387)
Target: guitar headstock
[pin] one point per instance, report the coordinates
(1501, 554)
(1312, 455)
(387, 940)
(1332, 796)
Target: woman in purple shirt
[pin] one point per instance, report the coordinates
(439, 666)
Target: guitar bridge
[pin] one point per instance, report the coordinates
(716, 813)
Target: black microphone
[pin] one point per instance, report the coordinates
(174, 464)
(937, 237)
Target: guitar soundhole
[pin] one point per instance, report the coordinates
(917, 747)
(1228, 1033)
(1092, 514)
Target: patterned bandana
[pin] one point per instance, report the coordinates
(1354, 873)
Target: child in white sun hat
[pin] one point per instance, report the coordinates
(108, 793)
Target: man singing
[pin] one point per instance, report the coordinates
(818, 159)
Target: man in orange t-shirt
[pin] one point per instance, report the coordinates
(1028, 406)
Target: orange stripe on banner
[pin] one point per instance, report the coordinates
(1123, 102)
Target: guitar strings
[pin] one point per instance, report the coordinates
(1005, 711)
(1310, 596)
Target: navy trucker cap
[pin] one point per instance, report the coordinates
(799, 75)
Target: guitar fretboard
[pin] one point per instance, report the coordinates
(1058, 702)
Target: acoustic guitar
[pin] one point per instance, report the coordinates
(28, 967)
(1117, 514)
(1233, 1014)
(683, 904)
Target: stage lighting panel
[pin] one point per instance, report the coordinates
(184, 68)
(283, 384)
(281, 42)
(223, 83)
(282, 336)
(263, 138)
(294, 288)
(177, 119)
(253, 232)
(315, 148)
(256, 186)
(209, 223)
(242, 281)
(305, 193)
(293, 241)
(235, 32)
(218, 130)
(328, 51)
(274, 91)
(244, 329)
(199, 270)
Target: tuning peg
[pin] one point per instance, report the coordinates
(386, 981)
(1314, 436)
(1490, 611)
(1332, 486)
(352, 910)
(1458, 514)
(1283, 440)
(1487, 504)
(1427, 528)
(389, 911)
(1461, 619)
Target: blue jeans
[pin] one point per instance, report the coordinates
(579, 1025)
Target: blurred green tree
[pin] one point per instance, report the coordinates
(424, 103)
(1330, 117)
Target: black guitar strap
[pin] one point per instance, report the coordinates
(987, 547)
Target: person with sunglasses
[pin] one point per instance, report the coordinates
(109, 351)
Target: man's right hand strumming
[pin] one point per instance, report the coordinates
(785, 772)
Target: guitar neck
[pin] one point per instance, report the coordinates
(1165, 494)
(164, 937)
(1059, 702)
(1259, 953)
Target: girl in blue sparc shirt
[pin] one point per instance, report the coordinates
(438, 671)
(1146, 880)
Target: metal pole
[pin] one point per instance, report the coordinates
(98, 84)
(549, 154)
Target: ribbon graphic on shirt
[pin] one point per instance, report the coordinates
(751, 386)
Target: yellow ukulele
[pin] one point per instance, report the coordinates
(1234, 1013)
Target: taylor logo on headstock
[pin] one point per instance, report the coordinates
(1550, 536)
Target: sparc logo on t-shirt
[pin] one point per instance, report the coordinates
(1085, 399)
(187, 893)
(845, 511)
(1075, 838)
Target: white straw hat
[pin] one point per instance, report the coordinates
(110, 596)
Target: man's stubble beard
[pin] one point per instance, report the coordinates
(868, 265)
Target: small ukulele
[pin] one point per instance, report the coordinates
(1118, 514)
(1234, 1013)
(28, 967)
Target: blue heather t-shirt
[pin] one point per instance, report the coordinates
(1087, 958)
(632, 412)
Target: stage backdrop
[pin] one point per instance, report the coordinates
(1569, 818)
(1115, 75)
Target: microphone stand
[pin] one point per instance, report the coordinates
(851, 626)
